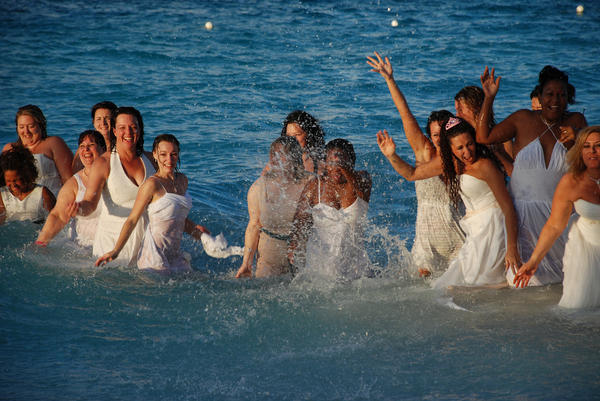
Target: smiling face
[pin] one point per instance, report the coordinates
(29, 131)
(294, 130)
(591, 151)
(126, 130)
(166, 155)
(15, 183)
(102, 122)
(553, 100)
(88, 151)
(463, 148)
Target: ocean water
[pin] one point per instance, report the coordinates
(71, 331)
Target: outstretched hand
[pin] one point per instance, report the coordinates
(386, 143)
(380, 66)
(524, 274)
(489, 83)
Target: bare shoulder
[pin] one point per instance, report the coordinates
(576, 120)
(55, 141)
(364, 177)
(486, 167)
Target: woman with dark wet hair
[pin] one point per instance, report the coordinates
(309, 134)
(437, 233)
(540, 142)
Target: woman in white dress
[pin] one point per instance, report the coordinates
(113, 185)
(52, 156)
(331, 218)
(21, 198)
(438, 236)
(83, 228)
(579, 188)
(540, 141)
(165, 198)
(272, 202)
(490, 224)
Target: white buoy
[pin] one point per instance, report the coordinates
(208, 25)
(394, 23)
(580, 9)
(389, 9)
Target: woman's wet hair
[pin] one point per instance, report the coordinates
(96, 137)
(437, 116)
(315, 136)
(132, 111)
(574, 158)
(550, 73)
(290, 147)
(34, 112)
(474, 96)
(18, 159)
(103, 105)
(451, 173)
(343, 145)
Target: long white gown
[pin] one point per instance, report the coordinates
(30, 208)
(82, 229)
(161, 247)
(335, 247)
(118, 197)
(438, 236)
(581, 285)
(480, 261)
(532, 188)
(47, 173)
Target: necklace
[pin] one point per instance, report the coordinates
(596, 180)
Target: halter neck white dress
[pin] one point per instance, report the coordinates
(161, 247)
(581, 285)
(532, 188)
(47, 173)
(480, 261)
(438, 236)
(83, 228)
(335, 248)
(118, 197)
(30, 208)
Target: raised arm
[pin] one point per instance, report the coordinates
(417, 140)
(562, 205)
(252, 233)
(144, 197)
(495, 179)
(427, 170)
(60, 215)
(502, 132)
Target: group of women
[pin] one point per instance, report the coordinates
(307, 210)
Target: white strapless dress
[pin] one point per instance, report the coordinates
(438, 235)
(30, 208)
(118, 197)
(480, 261)
(161, 248)
(581, 285)
(82, 229)
(47, 173)
(335, 248)
(532, 188)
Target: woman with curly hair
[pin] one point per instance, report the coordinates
(21, 198)
(309, 134)
(472, 172)
(579, 189)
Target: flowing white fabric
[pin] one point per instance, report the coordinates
(217, 247)
(335, 247)
(47, 173)
(438, 236)
(118, 197)
(581, 285)
(161, 247)
(480, 261)
(532, 187)
(82, 229)
(30, 208)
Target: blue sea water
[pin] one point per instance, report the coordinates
(71, 331)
